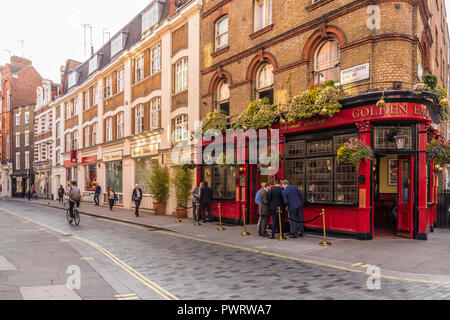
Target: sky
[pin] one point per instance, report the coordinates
(51, 30)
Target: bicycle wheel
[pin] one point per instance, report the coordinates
(68, 215)
(76, 217)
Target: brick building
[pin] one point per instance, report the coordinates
(269, 49)
(22, 177)
(19, 80)
(43, 129)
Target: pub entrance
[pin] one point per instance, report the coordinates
(393, 196)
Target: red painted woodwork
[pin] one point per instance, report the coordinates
(405, 206)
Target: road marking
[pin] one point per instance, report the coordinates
(260, 247)
(365, 266)
(357, 265)
(201, 236)
(88, 259)
(125, 295)
(128, 297)
(150, 284)
(271, 254)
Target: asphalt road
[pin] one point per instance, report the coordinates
(130, 262)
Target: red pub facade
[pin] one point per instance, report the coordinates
(358, 204)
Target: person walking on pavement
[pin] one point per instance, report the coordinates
(277, 203)
(74, 198)
(265, 211)
(293, 198)
(111, 198)
(137, 198)
(258, 202)
(205, 202)
(98, 192)
(61, 193)
(195, 202)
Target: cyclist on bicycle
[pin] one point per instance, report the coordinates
(74, 198)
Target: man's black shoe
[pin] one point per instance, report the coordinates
(266, 235)
(293, 237)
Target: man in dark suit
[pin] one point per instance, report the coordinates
(276, 203)
(195, 202)
(265, 211)
(137, 198)
(205, 201)
(98, 191)
(293, 198)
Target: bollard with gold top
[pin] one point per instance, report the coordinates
(282, 238)
(324, 243)
(196, 224)
(245, 233)
(220, 228)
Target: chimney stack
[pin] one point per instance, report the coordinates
(172, 8)
(20, 62)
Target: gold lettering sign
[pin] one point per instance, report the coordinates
(145, 151)
(113, 156)
(390, 110)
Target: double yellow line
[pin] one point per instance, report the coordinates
(150, 284)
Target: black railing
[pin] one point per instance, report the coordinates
(443, 213)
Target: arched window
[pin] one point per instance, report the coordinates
(327, 62)
(223, 97)
(222, 33)
(264, 82)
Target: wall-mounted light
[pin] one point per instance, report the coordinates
(400, 140)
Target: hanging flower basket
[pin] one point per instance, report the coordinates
(439, 151)
(354, 151)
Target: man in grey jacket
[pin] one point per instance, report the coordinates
(264, 211)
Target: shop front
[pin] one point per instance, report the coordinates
(42, 180)
(21, 184)
(114, 175)
(89, 164)
(391, 195)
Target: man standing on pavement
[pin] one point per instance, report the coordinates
(98, 191)
(293, 198)
(258, 202)
(61, 194)
(195, 202)
(277, 203)
(205, 202)
(137, 198)
(265, 212)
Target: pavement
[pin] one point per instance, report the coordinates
(397, 258)
(169, 261)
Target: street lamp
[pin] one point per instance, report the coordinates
(400, 140)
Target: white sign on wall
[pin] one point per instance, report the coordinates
(355, 74)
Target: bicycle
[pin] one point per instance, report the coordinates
(76, 216)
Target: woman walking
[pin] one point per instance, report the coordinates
(111, 198)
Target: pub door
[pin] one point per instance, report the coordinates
(405, 206)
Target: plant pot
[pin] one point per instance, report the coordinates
(160, 208)
(181, 213)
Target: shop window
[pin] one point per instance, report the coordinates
(312, 166)
(222, 180)
(222, 33)
(142, 173)
(385, 137)
(223, 97)
(90, 177)
(327, 62)
(114, 176)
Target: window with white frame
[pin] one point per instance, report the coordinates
(86, 137)
(155, 60)
(181, 128)
(139, 119)
(27, 160)
(150, 17)
(139, 69)
(27, 117)
(75, 140)
(58, 157)
(181, 75)
(327, 62)
(68, 142)
(263, 14)
(58, 130)
(77, 105)
(120, 80)
(94, 134)
(93, 64)
(17, 160)
(8, 146)
(108, 87)
(117, 44)
(222, 33)
(95, 95)
(120, 126)
(109, 129)
(265, 77)
(17, 140)
(155, 113)
(223, 97)
(18, 119)
(87, 100)
(27, 138)
(8, 100)
(72, 79)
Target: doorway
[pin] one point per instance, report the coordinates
(393, 196)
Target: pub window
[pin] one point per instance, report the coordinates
(264, 82)
(223, 97)
(222, 180)
(312, 166)
(327, 62)
(384, 137)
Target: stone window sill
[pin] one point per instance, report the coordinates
(262, 31)
(220, 51)
(317, 4)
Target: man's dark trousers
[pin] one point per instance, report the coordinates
(97, 199)
(294, 217)
(276, 223)
(204, 208)
(138, 205)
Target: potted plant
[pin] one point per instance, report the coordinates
(158, 185)
(182, 182)
(354, 151)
